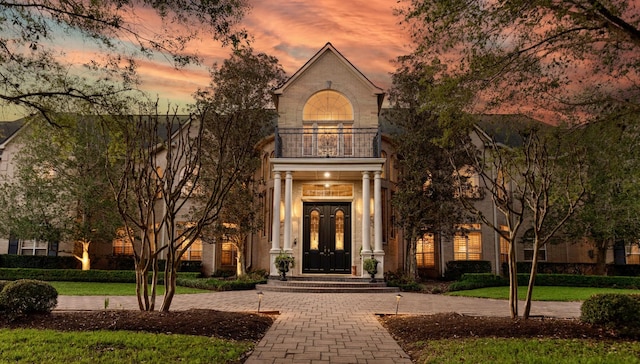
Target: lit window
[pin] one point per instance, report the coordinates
(193, 251)
(468, 245)
(315, 229)
(122, 244)
(425, 251)
(504, 245)
(327, 105)
(527, 239)
(633, 254)
(469, 182)
(340, 230)
(228, 254)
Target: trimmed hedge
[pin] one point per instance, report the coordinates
(456, 268)
(214, 284)
(38, 261)
(69, 262)
(74, 275)
(618, 312)
(472, 281)
(631, 270)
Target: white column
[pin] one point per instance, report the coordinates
(366, 224)
(377, 213)
(275, 227)
(287, 211)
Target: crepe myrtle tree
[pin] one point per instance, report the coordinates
(538, 184)
(180, 171)
(37, 75)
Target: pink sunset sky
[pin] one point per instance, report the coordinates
(365, 31)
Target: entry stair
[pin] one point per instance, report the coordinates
(325, 284)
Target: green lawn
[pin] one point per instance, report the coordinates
(47, 346)
(109, 289)
(538, 351)
(542, 293)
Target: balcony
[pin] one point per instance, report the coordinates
(327, 142)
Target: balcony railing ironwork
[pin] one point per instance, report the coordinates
(327, 142)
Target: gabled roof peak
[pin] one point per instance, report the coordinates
(328, 47)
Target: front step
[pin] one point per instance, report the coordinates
(325, 284)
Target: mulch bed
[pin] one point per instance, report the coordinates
(225, 325)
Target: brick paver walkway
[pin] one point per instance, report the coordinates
(328, 328)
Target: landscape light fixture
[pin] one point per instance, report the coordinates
(398, 297)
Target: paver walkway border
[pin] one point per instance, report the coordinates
(328, 327)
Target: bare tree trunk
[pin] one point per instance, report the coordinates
(532, 280)
(601, 256)
(410, 267)
(513, 281)
(171, 275)
(240, 266)
(85, 259)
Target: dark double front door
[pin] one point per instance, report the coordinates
(327, 237)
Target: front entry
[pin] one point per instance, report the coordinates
(327, 238)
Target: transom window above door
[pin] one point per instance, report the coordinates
(327, 105)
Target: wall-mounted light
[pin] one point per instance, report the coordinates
(295, 241)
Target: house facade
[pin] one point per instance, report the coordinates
(327, 178)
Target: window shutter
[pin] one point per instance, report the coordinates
(52, 251)
(13, 244)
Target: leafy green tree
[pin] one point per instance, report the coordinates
(60, 188)
(572, 60)
(240, 217)
(426, 198)
(610, 213)
(36, 75)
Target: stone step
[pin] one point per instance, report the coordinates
(325, 284)
(310, 289)
(335, 284)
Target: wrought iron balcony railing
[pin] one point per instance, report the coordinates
(327, 142)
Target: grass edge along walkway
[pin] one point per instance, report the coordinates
(542, 293)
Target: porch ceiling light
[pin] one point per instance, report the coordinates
(327, 174)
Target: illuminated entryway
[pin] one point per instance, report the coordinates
(327, 238)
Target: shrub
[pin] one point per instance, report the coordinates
(477, 280)
(403, 281)
(27, 296)
(613, 311)
(456, 268)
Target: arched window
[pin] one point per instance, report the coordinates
(327, 119)
(327, 105)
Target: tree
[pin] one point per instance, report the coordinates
(426, 197)
(60, 189)
(37, 76)
(538, 184)
(610, 213)
(573, 60)
(180, 171)
(239, 218)
(498, 165)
